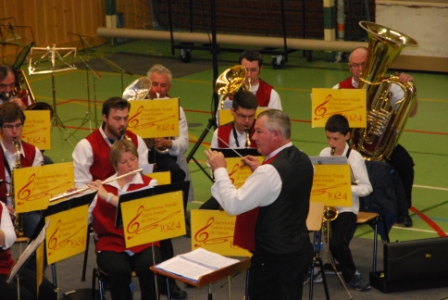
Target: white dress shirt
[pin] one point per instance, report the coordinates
(83, 158)
(260, 189)
(7, 227)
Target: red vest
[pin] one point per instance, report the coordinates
(111, 238)
(263, 93)
(224, 132)
(27, 161)
(244, 233)
(346, 84)
(6, 261)
(102, 167)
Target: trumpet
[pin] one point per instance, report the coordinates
(80, 190)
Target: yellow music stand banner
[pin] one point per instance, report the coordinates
(66, 234)
(162, 177)
(332, 185)
(154, 118)
(350, 103)
(37, 129)
(213, 230)
(35, 186)
(225, 115)
(238, 173)
(153, 218)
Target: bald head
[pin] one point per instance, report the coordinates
(356, 62)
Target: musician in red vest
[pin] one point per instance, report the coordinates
(236, 134)
(267, 97)
(113, 257)
(400, 159)
(9, 82)
(91, 154)
(8, 291)
(12, 120)
(280, 189)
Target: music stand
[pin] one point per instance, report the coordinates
(60, 60)
(25, 256)
(215, 98)
(87, 49)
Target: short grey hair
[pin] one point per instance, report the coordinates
(160, 69)
(277, 119)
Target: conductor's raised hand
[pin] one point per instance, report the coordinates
(251, 161)
(215, 159)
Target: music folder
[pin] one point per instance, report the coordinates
(183, 186)
(54, 208)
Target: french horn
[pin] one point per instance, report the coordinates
(230, 82)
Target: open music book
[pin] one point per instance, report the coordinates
(195, 264)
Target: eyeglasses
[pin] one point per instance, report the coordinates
(354, 65)
(241, 116)
(17, 126)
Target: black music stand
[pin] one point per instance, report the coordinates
(215, 98)
(26, 255)
(61, 206)
(60, 60)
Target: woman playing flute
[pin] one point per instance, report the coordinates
(113, 257)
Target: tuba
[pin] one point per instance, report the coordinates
(139, 90)
(230, 82)
(385, 120)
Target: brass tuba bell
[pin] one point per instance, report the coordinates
(385, 121)
(230, 82)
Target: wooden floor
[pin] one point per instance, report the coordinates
(78, 104)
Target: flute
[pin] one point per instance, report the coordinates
(68, 194)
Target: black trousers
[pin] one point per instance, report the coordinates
(118, 267)
(342, 231)
(403, 163)
(279, 276)
(27, 287)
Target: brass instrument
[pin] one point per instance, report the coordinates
(139, 90)
(330, 212)
(248, 142)
(385, 121)
(230, 82)
(123, 134)
(19, 218)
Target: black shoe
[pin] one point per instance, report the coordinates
(359, 284)
(405, 220)
(175, 292)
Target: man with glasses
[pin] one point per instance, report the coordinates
(238, 133)
(267, 97)
(400, 159)
(12, 119)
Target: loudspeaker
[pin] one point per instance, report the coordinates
(413, 265)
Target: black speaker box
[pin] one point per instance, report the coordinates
(413, 265)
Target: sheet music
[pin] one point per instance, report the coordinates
(32, 246)
(333, 160)
(195, 264)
